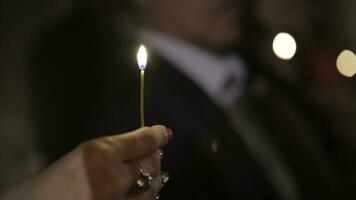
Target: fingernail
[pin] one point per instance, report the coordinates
(169, 134)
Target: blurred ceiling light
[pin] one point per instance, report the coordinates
(346, 63)
(284, 46)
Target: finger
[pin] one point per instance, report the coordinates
(152, 193)
(157, 185)
(142, 142)
(150, 165)
(161, 153)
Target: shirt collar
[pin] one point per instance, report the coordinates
(209, 71)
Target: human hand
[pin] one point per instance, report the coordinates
(106, 168)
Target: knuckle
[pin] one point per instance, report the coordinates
(149, 138)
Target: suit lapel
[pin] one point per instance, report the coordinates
(293, 137)
(204, 135)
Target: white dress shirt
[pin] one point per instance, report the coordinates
(209, 71)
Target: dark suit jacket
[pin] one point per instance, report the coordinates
(86, 85)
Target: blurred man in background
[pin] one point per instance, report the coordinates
(241, 133)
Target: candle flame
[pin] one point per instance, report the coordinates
(142, 57)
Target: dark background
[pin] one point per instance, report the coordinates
(22, 21)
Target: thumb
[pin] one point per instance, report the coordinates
(142, 142)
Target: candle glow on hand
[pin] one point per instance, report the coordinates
(142, 57)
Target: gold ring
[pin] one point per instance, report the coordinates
(143, 184)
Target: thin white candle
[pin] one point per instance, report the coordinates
(142, 63)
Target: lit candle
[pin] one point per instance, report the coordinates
(142, 63)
